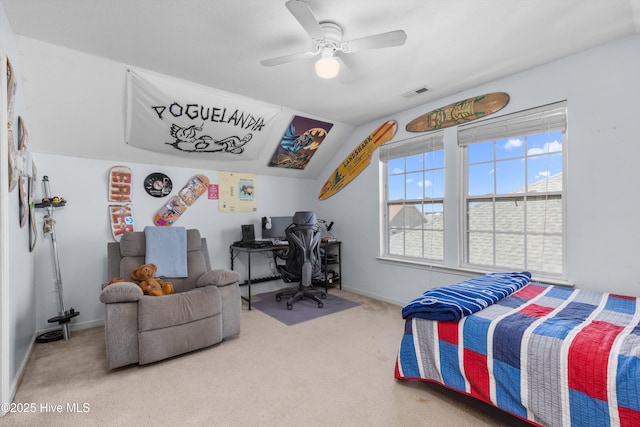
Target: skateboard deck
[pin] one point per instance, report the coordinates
(358, 159)
(33, 228)
(121, 220)
(120, 184)
(459, 112)
(23, 181)
(13, 165)
(177, 205)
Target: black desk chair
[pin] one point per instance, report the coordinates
(302, 259)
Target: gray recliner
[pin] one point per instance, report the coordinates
(203, 310)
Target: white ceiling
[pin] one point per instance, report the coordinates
(452, 45)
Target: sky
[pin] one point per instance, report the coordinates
(495, 167)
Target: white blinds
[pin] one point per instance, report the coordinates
(411, 147)
(548, 117)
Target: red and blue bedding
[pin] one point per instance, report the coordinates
(550, 355)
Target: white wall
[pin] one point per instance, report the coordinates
(600, 174)
(17, 297)
(78, 106)
(78, 103)
(83, 228)
(601, 87)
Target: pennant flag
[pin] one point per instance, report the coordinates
(177, 117)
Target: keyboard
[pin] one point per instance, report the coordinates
(256, 244)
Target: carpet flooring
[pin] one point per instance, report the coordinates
(303, 310)
(336, 370)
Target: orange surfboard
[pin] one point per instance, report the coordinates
(358, 159)
(459, 112)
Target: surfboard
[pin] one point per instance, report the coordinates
(459, 112)
(358, 159)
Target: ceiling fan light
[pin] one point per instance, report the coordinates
(327, 67)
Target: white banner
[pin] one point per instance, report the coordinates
(173, 116)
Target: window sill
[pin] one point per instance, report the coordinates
(463, 271)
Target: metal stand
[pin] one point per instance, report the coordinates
(64, 316)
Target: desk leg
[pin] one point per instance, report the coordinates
(249, 276)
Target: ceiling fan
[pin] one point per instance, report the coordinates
(327, 38)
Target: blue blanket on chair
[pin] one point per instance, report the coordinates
(167, 249)
(451, 303)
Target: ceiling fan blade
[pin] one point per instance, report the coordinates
(392, 38)
(286, 58)
(346, 75)
(302, 12)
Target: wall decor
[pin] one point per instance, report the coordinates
(24, 171)
(213, 192)
(299, 143)
(13, 161)
(120, 184)
(120, 215)
(459, 112)
(11, 93)
(170, 212)
(33, 226)
(237, 192)
(358, 159)
(174, 116)
(12, 84)
(158, 184)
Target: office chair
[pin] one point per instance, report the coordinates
(302, 259)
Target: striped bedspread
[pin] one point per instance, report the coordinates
(456, 301)
(551, 355)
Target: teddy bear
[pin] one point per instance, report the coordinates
(114, 280)
(151, 285)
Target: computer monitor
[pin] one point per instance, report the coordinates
(278, 225)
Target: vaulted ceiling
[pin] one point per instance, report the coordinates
(451, 45)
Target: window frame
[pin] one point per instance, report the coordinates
(540, 120)
(402, 150)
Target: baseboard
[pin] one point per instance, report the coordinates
(13, 387)
(374, 296)
(75, 326)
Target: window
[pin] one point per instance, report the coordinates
(414, 198)
(514, 191)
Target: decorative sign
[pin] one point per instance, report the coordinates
(174, 116)
(213, 191)
(158, 184)
(237, 192)
(299, 143)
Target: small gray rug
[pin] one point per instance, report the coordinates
(302, 311)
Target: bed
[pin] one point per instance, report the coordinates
(550, 355)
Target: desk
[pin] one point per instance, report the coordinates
(235, 250)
